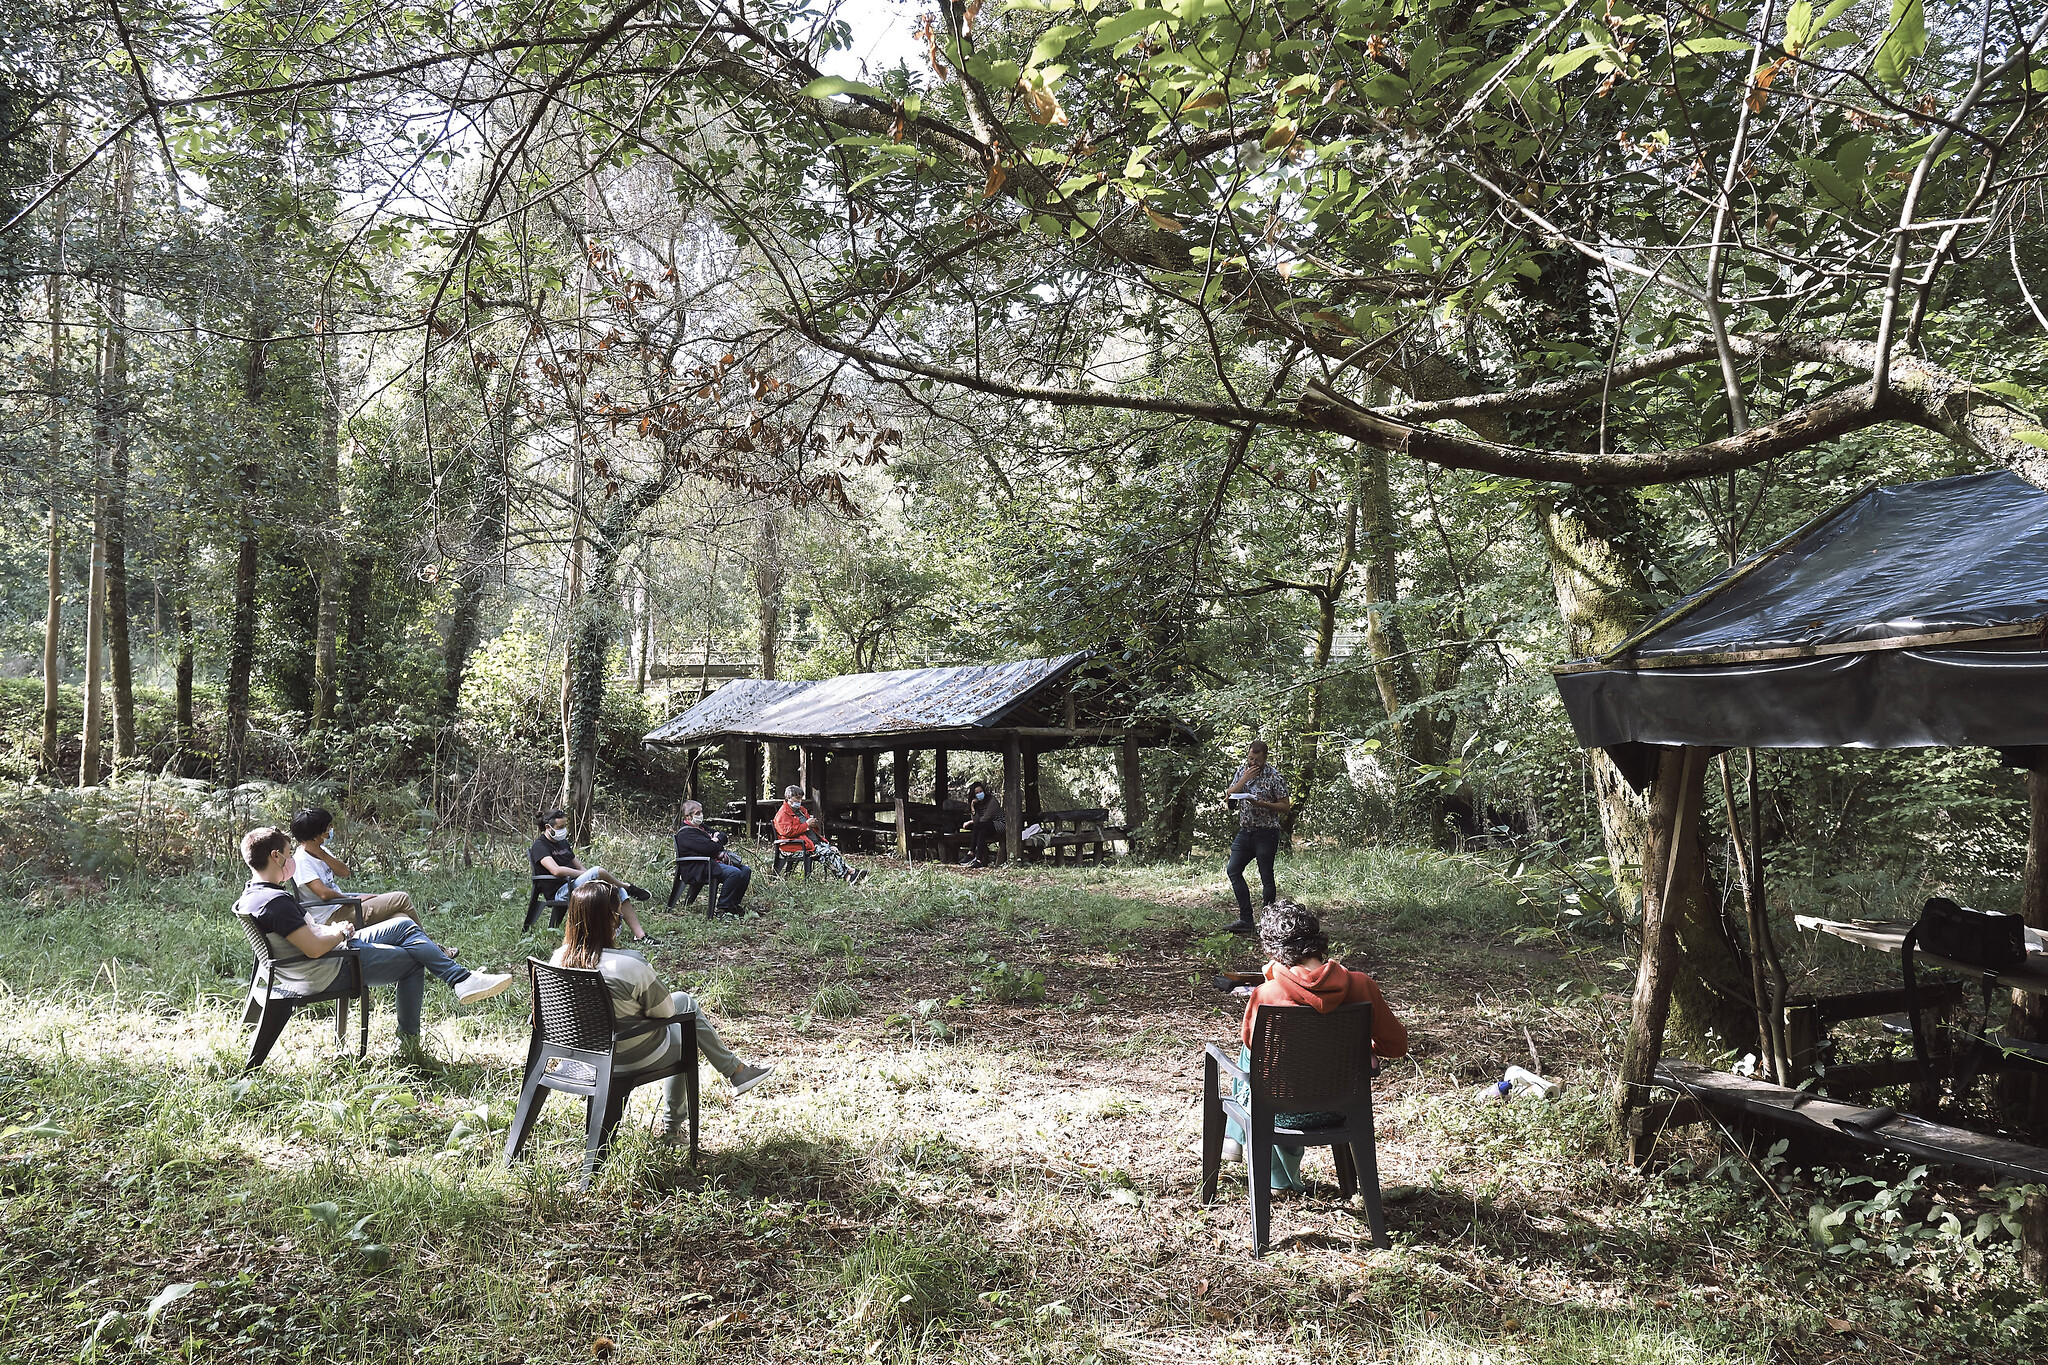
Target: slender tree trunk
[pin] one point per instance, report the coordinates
(768, 579)
(95, 647)
(182, 721)
(582, 623)
(326, 552)
(645, 617)
(241, 662)
(120, 664)
(53, 621)
(89, 769)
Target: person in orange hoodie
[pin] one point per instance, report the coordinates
(1301, 974)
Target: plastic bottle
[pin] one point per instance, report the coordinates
(1529, 1083)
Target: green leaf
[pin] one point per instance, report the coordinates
(2019, 393)
(1562, 64)
(1053, 42)
(1699, 47)
(1120, 26)
(166, 1296)
(1903, 43)
(1833, 184)
(1799, 26)
(2032, 438)
(827, 86)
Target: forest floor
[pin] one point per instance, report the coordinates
(979, 1144)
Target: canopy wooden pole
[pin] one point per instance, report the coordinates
(1134, 789)
(1032, 805)
(1667, 873)
(939, 783)
(2029, 1019)
(1013, 801)
(757, 762)
(902, 785)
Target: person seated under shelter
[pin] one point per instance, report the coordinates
(552, 855)
(1300, 975)
(797, 828)
(589, 942)
(729, 877)
(317, 871)
(394, 953)
(984, 822)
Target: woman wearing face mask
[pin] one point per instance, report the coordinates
(552, 856)
(984, 818)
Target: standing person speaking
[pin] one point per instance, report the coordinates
(1259, 796)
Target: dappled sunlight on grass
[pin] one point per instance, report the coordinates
(979, 1145)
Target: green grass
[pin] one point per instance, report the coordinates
(936, 1172)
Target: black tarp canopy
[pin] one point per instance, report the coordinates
(1909, 616)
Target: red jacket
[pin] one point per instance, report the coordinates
(1324, 986)
(793, 826)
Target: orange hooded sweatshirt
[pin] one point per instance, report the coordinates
(1324, 986)
(791, 827)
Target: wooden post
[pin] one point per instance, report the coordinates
(902, 784)
(1134, 789)
(864, 784)
(939, 780)
(1667, 872)
(2029, 1018)
(1013, 801)
(1033, 807)
(1802, 1042)
(757, 760)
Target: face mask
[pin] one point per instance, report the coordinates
(559, 833)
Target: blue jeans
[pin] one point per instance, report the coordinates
(1261, 844)
(399, 953)
(562, 891)
(729, 882)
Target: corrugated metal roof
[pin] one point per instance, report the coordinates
(863, 705)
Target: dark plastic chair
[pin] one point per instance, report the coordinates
(545, 885)
(1302, 1062)
(270, 1012)
(574, 1036)
(682, 870)
(789, 852)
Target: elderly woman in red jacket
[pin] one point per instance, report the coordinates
(1301, 975)
(797, 829)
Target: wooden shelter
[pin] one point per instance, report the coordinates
(833, 731)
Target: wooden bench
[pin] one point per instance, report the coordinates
(1702, 1089)
(1079, 836)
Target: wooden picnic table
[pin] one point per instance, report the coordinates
(1807, 1023)
(1889, 936)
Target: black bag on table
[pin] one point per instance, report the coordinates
(1988, 940)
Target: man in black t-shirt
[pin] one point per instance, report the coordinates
(394, 953)
(729, 876)
(552, 855)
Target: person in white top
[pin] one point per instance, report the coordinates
(317, 871)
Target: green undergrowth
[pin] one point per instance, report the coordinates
(978, 1146)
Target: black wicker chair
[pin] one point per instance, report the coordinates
(574, 1035)
(790, 852)
(545, 885)
(1302, 1062)
(693, 871)
(270, 1011)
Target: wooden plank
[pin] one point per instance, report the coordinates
(1835, 1009)
(1855, 1078)
(1666, 1114)
(1819, 1117)
(2008, 631)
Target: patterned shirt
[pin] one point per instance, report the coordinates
(1269, 785)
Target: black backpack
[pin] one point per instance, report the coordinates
(1988, 940)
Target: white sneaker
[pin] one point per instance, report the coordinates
(481, 986)
(1233, 1150)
